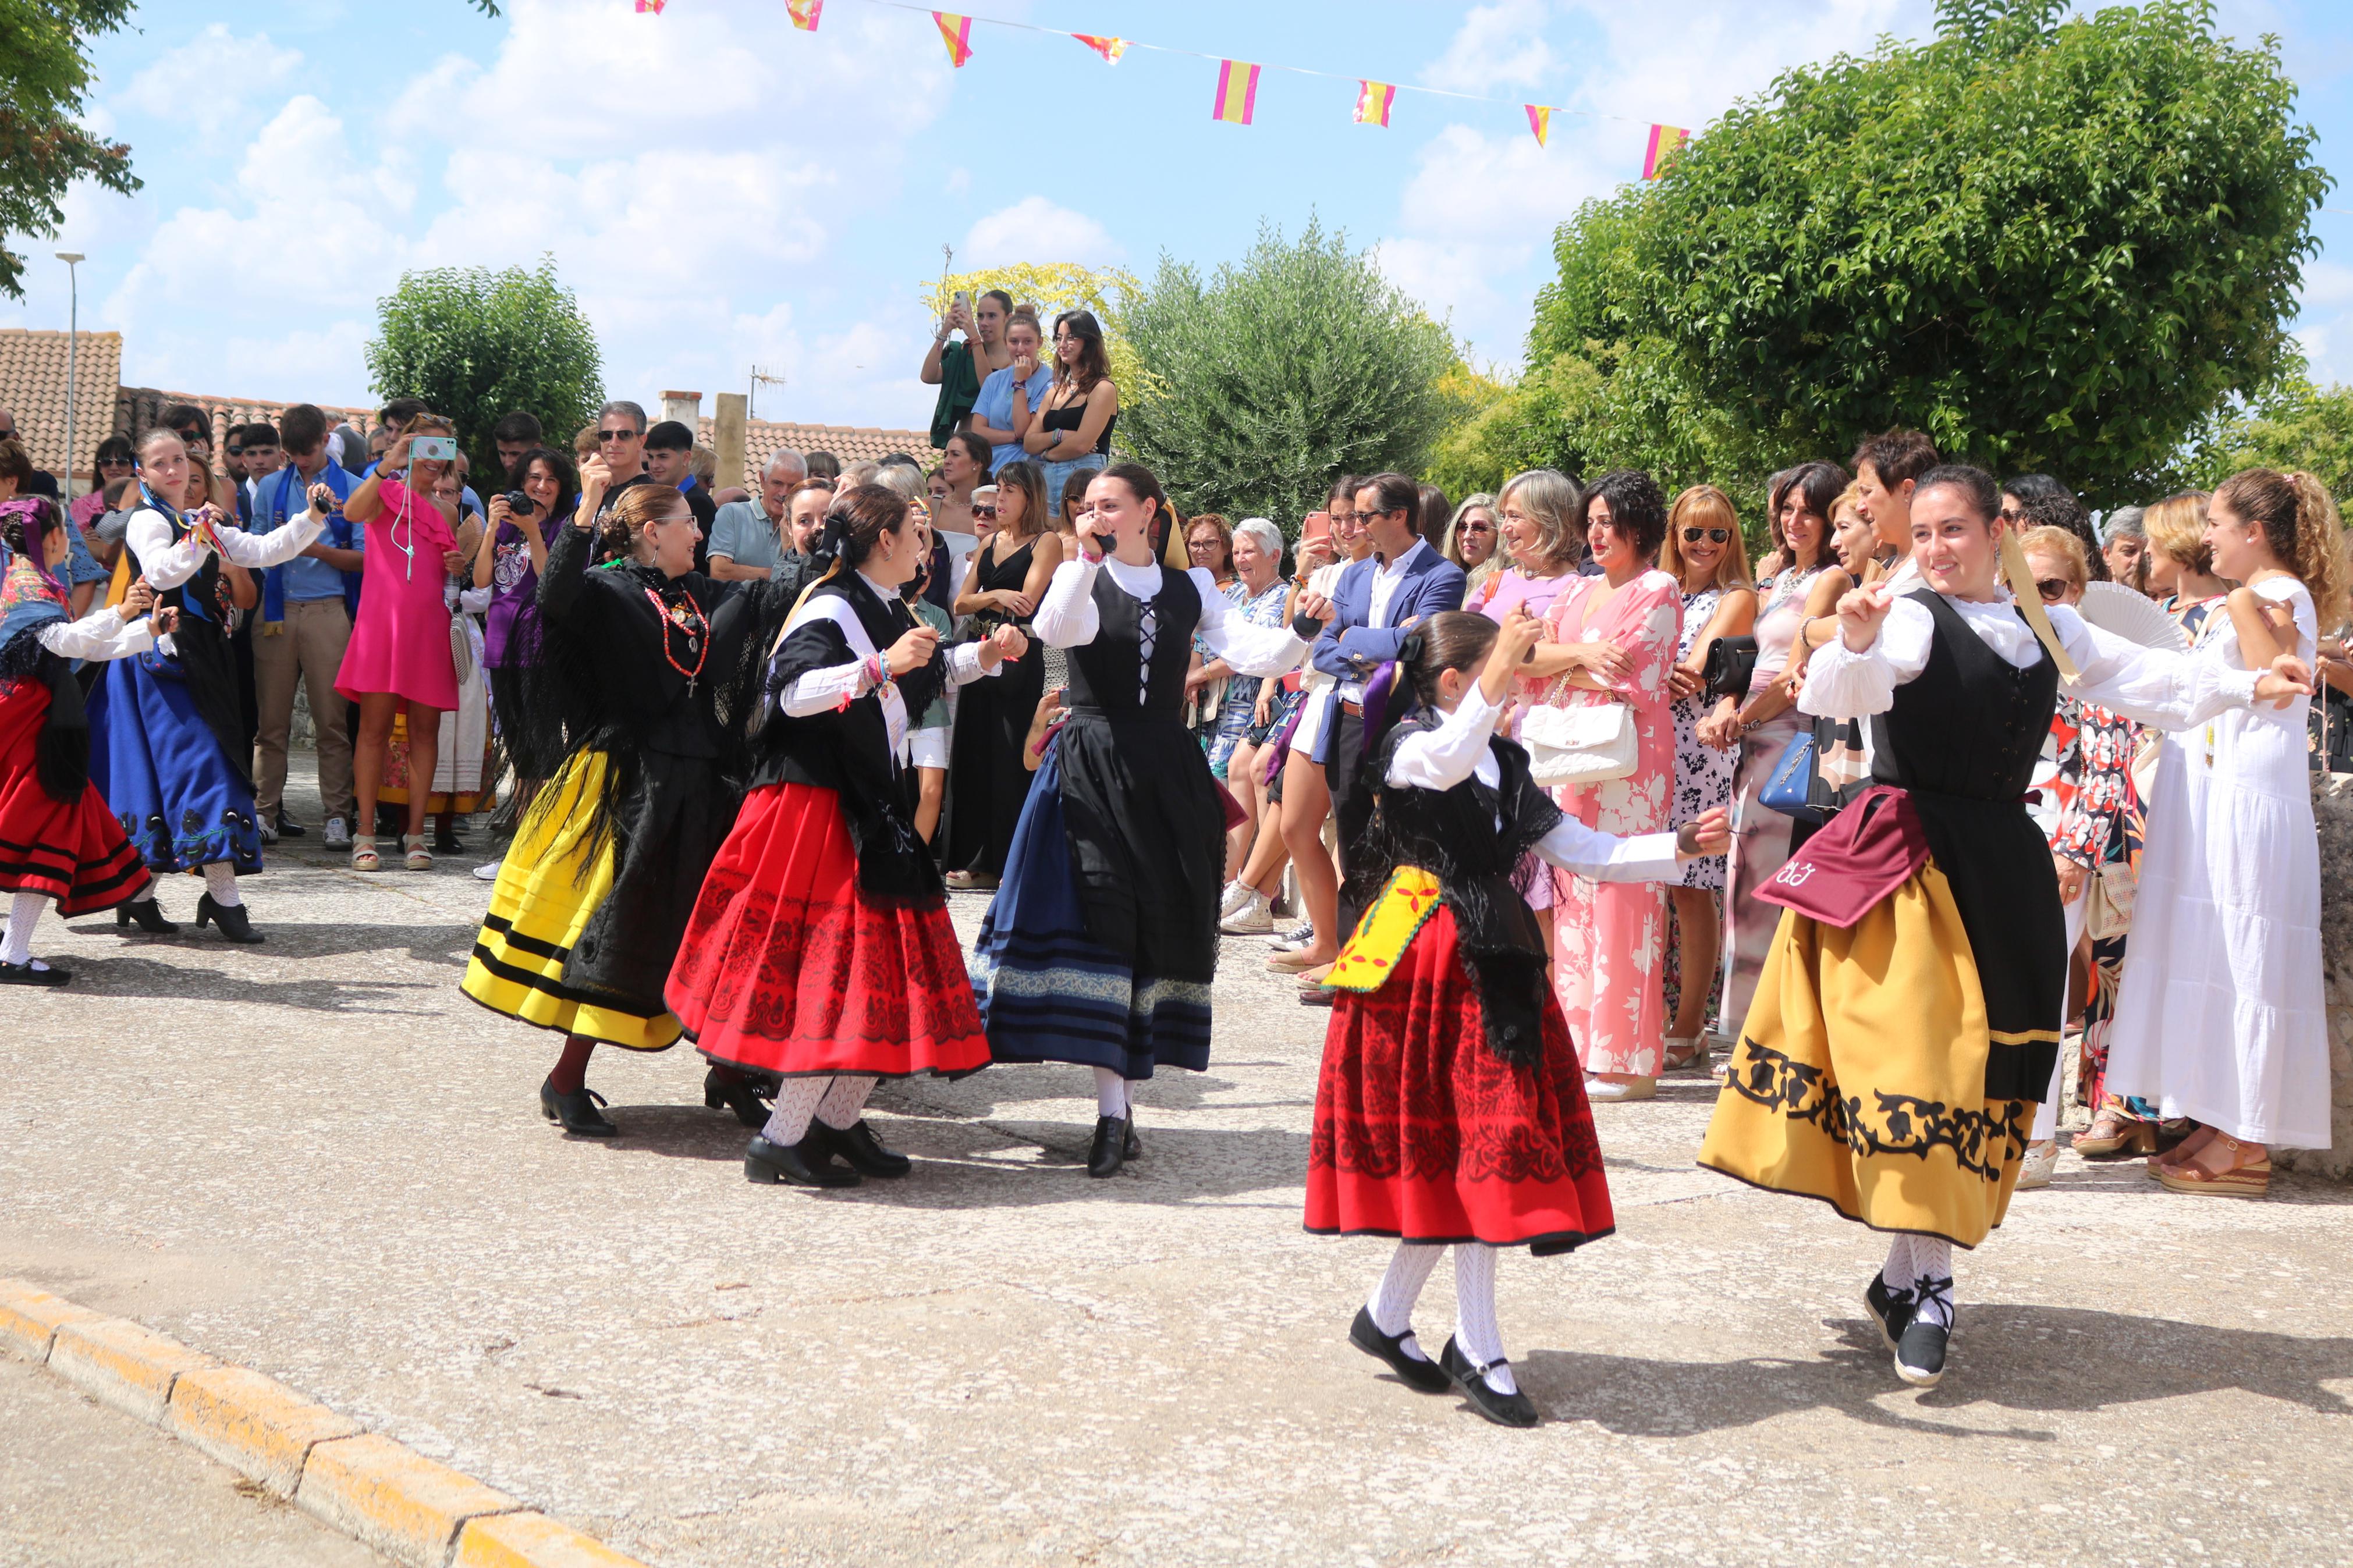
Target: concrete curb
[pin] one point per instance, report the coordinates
(414, 1510)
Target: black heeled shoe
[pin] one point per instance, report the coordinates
(1420, 1372)
(26, 975)
(807, 1164)
(149, 914)
(575, 1112)
(740, 1095)
(1116, 1142)
(234, 924)
(1515, 1409)
(860, 1149)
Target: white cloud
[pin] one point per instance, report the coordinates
(211, 79)
(2326, 284)
(1500, 45)
(1035, 229)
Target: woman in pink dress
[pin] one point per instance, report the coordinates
(1612, 639)
(397, 661)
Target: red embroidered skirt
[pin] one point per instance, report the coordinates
(74, 851)
(1423, 1133)
(787, 968)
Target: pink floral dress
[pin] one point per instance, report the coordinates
(1609, 938)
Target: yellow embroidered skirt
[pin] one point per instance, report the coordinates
(1859, 1076)
(541, 905)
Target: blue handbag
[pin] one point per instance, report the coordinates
(1789, 787)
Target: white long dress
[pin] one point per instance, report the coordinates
(2221, 1016)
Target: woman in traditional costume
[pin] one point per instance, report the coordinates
(58, 842)
(646, 674)
(820, 949)
(1452, 1108)
(1905, 1022)
(168, 745)
(1101, 944)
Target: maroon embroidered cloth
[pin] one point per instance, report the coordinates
(1859, 857)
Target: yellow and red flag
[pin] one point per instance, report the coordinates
(956, 33)
(1373, 100)
(804, 13)
(1237, 92)
(653, 5)
(1109, 48)
(1540, 120)
(1664, 138)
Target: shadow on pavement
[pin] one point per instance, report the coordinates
(444, 944)
(131, 976)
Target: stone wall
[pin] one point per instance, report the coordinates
(2332, 805)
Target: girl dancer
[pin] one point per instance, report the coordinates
(646, 672)
(1451, 1110)
(1908, 1013)
(819, 947)
(58, 839)
(1100, 946)
(168, 747)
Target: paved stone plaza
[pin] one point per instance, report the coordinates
(314, 1157)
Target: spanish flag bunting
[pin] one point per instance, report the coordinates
(1109, 48)
(1373, 100)
(1237, 92)
(805, 12)
(653, 5)
(1664, 138)
(1540, 120)
(956, 33)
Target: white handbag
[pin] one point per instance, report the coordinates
(1583, 745)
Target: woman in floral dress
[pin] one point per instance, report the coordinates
(1612, 639)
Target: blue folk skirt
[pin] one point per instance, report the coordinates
(180, 800)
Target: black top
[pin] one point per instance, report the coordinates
(1103, 673)
(1070, 416)
(1972, 724)
(1010, 573)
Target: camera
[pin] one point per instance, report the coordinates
(520, 503)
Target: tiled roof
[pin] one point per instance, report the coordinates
(851, 444)
(138, 408)
(33, 388)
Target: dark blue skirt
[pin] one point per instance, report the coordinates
(181, 802)
(1049, 993)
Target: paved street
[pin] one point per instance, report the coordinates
(316, 1158)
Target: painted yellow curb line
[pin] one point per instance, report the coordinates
(411, 1509)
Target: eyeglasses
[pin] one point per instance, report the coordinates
(986, 511)
(1693, 535)
(605, 435)
(2053, 589)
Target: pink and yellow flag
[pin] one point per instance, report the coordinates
(1237, 92)
(956, 33)
(1664, 138)
(1109, 48)
(1540, 120)
(653, 5)
(1373, 100)
(804, 13)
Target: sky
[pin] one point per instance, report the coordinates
(724, 192)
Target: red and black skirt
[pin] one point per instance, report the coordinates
(1424, 1133)
(73, 851)
(787, 968)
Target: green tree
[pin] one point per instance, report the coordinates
(2299, 425)
(45, 74)
(476, 344)
(2054, 246)
(1265, 383)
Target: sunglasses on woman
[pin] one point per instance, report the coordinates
(986, 511)
(2053, 589)
(1720, 535)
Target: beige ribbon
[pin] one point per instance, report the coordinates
(2021, 578)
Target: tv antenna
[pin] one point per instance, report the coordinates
(760, 378)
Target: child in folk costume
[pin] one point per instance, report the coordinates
(1451, 1110)
(58, 842)
(1908, 1013)
(820, 950)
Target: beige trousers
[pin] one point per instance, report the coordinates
(308, 646)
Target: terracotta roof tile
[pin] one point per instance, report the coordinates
(33, 388)
(138, 408)
(851, 444)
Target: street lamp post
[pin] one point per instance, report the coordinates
(73, 334)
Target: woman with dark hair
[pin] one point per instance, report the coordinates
(2038, 501)
(1436, 516)
(647, 676)
(509, 568)
(820, 950)
(1101, 946)
(64, 845)
(113, 460)
(1911, 1005)
(1002, 587)
(1611, 639)
(963, 464)
(1070, 434)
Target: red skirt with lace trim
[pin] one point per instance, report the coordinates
(1423, 1133)
(787, 968)
(74, 851)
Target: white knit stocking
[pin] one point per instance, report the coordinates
(1111, 1094)
(1392, 1301)
(1932, 1276)
(796, 1101)
(844, 1102)
(23, 911)
(1896, 1272)
(1475, 1313)
(220, 881)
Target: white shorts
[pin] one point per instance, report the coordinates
(928, 748)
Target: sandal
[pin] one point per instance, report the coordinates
(1686, 1052)
(2115, 1133)
(2251, 1180)
(420, 859)
(364, 856)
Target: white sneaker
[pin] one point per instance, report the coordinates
(338, 835)
(269, 830)
(2041, 1160)
(489, 873)
(1604, 1092)
(1235, 895)
(1255, 916)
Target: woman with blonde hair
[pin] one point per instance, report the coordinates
(1472, 541)
(2180, 562)
(1537, 532)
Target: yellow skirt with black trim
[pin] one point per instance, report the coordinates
(541, 903)
(1859, 1075)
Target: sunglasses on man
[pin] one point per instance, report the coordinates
(605, 435)
(1720, 535)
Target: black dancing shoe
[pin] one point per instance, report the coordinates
(149, 914)
(26, 975)
(1416, 1372)
(738, 1094)
(807, 1164)
(576, 1112)
(1503, 1409)
(860, 1149)
(1890, 1309)
(1114, 1140)
(233, 923)
(1920, 1352)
